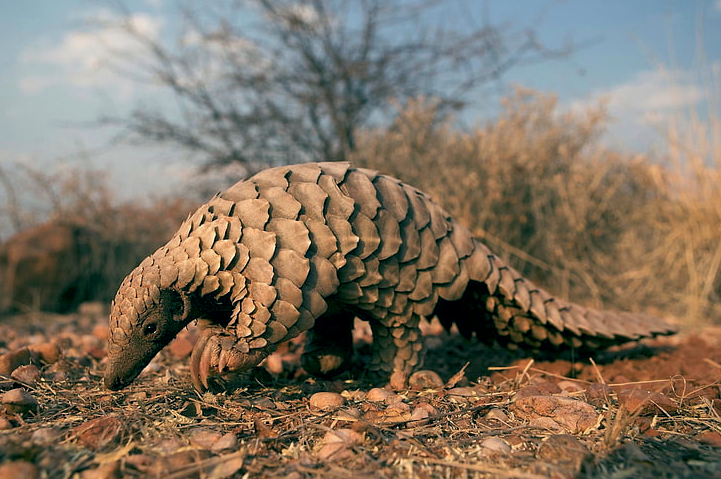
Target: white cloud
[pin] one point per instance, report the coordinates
(80, 59)
(642, 106)
(717, 5)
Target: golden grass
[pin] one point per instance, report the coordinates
(604, 228)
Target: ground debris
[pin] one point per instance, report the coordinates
(642, 413)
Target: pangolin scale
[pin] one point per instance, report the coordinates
(310, 247)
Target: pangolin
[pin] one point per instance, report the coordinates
(310, 247)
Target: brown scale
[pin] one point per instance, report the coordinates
(306, 248)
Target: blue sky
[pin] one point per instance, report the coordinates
(643, 56)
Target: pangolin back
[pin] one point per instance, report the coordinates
(307, 246)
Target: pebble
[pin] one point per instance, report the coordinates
(226, 442)
(338, 441)
(326, 401)
(498, 415)
(205, 438)
(546, 423)
(48, 352)
(382, 395)
(421, 414)
(98, 432)
(494, 445)
(644, 403)
(599, 395)
(425, 379)
(45, 436)
(574, 416)
(19, 401)
(27, 373)
(14, 359)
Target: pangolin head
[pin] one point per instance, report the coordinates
(143, 319)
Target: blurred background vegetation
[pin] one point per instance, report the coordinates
(380, 88)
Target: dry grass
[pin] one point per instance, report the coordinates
(597, 226)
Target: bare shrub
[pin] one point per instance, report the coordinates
(73, 240)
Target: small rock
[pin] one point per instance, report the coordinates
(19, 469)
(425, 379)
(598, 395)
(644, 403)
(570, 386)
(48, 352)
(338, 441)
(382, 395)
(574, 416)
(19, 401)
(498, 415)
(494, 445)
(227, 441)
(540, 387)
(463, 392)
(326, 401)
(263, 403)
(14, 359)
(205, 438)
(98, 432)
(419, 417)
(27, 374)
(45, 436)
(545, 386)
(546, 423)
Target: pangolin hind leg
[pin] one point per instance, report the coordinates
(329, 344)
(469, 313)
(396, 350)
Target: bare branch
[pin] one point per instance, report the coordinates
(278, 81)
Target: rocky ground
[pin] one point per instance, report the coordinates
(649, 410)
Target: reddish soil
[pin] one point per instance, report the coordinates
(648, 410)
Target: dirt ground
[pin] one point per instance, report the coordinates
(646, 410)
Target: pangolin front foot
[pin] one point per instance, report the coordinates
(217, 351)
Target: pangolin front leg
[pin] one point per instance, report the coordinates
(217, 351)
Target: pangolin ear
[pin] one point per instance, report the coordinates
(177, 304)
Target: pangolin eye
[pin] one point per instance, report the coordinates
(150, 328)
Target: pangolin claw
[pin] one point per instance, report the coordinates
(217, 350)
(196, 360)
(206, 360)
